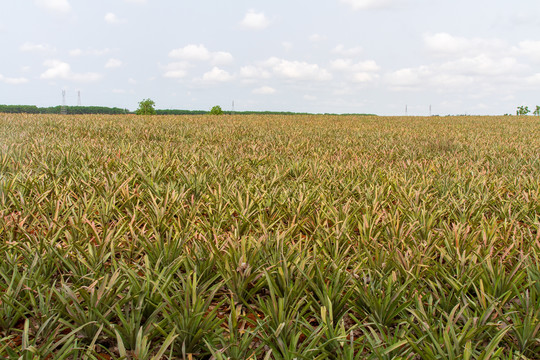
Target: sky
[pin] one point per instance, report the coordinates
(388, 57)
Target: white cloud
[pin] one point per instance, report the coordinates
(431, 77)
(175, 74)
(191, 52)
(342, 50)
(363, 77)
(361, 71)
(136, 1)
(13, 81)
(132, 81)
(60, 6)
(482, 65)
(298, 70)
(317, 38)
(264, 90)
(529, 48)
(443, 42)
(255, 20)
(350, 66)
(487, 72)
(176, 70)
(199, 52)
(75, 52)
(62, 70)
(221, 57)
(446, 44)
(341, 64)
(217, 75)
(113, 63)
(424, 77)
(479, 65)
(29, 46)
(254, 72)
(310, 97)
(118, 91)
(408, 77)
(111, 18)
(370, 4)
(533, 80)
(56, 69)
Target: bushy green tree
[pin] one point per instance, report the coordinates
(522, 110)
(216, 110)
(146, 107)
(537, 111)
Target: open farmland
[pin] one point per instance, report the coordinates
(275, 237)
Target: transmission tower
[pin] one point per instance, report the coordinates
(63, 110)
(79, 98)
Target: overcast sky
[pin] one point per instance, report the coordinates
(339, 56)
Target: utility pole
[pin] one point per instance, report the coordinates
(63, 109)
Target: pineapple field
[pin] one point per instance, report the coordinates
(269, 237)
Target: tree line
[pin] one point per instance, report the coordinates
(79, 110)
(73, 110)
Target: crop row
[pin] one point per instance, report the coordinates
(266, 237)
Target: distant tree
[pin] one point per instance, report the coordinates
(522, 110)
(146, 107)
(537, 111)
(216, 110)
